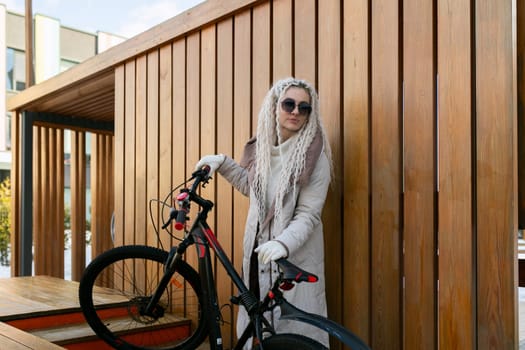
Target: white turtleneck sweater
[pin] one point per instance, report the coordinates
(279, 155)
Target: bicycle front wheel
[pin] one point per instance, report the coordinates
(116, 287)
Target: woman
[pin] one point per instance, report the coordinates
(286, 171)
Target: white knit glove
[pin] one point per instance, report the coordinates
(271, 250)
(213, 161)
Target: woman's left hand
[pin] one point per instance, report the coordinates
(270, 251)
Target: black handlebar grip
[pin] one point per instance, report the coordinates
(181, 220)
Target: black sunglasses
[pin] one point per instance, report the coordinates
(288, 105)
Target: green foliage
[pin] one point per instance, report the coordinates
(5, 219)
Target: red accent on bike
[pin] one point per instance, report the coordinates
(182, 196)
(286, 285)
(312, 279)
(271, 295)
(178, 226)
(201, 249)
(298, 276)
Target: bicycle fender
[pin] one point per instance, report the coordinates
(290, 312)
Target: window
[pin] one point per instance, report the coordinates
(16, 74)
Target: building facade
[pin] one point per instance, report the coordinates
(56, 49)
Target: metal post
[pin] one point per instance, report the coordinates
(26, 210)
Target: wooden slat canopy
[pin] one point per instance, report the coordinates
(87, 90)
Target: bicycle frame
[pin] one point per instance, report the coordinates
(203, 237)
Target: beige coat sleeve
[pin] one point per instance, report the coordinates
(235, 174)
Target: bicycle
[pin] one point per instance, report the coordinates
(154, 290)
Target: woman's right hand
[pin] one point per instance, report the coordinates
(213, 161)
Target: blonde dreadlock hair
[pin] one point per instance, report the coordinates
(268, 133)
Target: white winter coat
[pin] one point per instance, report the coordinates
(301, 233)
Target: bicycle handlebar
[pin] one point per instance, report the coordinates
(186, 196)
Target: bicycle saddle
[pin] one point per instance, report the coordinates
(294, 273)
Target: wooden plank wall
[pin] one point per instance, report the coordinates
(419, 102)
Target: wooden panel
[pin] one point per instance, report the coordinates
(15, 193)
(282, 40)
(261, 76)
(165, 127)
(520, 73)
(101, 193)
(192, 116)
(456, 290)
(179, 114)
(419, 177)
(129, 153)
(356, 173)
(59, 224)
(330, 102)
(208, 138)
(304, 31)
(224, 203)
(496, 176)
(119, 154)
(38, 217)
(78, 203)
(385, 177)
(141, 212)
(152, 145)
(242, 122)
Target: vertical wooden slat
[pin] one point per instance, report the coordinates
(129, 149)
(59, 226)
(261, 75)
(419, 176)
(78, 203)
(495, 175)
(192, 115)
(329, 68)
(41, 264)
(282, 40)
(165, 127)
(208, 135)
(97, 185)
(456, 273)
(120, 136)
(152, 145)
(304, 40)
(141, 152)
(51, 236)
(520, 76)
(15, 193)
(386, 177)
(38, 217)
(356, 160)
(179, 113)
(242, 121)
(224, 203)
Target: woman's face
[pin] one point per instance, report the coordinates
(292, 120)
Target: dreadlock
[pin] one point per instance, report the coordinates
(268, 134)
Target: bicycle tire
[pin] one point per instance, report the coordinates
(287, 341)
(130, 274)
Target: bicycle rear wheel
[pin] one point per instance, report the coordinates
(288, 341)
(118, 284)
